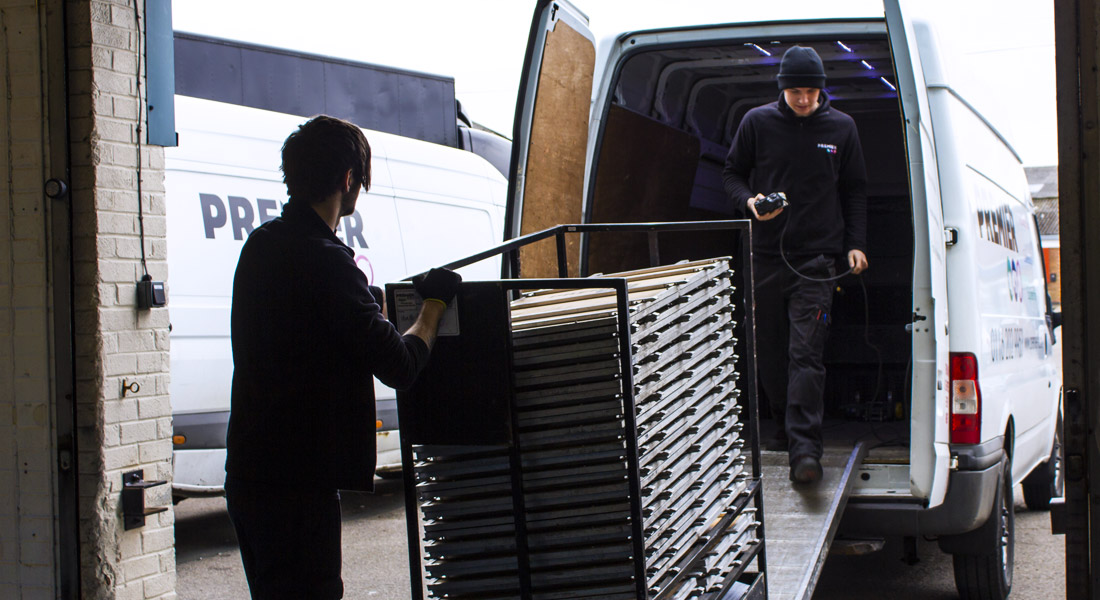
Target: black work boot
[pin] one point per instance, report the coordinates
(805, 469)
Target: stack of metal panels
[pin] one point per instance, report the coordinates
(576, 433)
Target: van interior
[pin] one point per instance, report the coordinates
(666, 133)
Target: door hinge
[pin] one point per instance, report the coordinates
(950, 236)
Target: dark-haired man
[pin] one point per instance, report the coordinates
(308, 338)
(803, 147)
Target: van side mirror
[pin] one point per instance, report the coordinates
(1056, 319)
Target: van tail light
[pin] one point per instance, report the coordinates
(966, 399)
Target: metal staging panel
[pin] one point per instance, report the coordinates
(626, 474)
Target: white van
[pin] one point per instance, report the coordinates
(427, 204)
(946, 361)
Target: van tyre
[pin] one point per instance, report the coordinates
(1047, 481)
(988, 575)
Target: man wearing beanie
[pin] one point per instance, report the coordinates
(801, 146)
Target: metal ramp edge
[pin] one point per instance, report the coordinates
(801, 520)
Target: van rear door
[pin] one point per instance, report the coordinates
(546, 186)
(929, 454)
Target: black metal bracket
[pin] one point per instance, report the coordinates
(133, 499)
(132, 387)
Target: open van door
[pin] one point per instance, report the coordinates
(550, 136)
(929, 434)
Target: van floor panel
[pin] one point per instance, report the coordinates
(801, 520)
(879, 437)
(884, 439)
(888, 455)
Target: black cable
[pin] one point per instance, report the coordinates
(894, 439)
(783, 255)
(141, 212)
(866, 306)
(867, 336)
(883, 441)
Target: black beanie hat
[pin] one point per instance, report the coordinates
(801, 67)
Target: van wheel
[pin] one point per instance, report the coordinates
(1047, 481)
(988, 576)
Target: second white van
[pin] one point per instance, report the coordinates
(427, 204)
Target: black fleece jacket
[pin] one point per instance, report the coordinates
(307, 338)
(818, 162)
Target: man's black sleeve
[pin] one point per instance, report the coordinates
(378, 294)
(394, 359)
(739, 165)
(852, 190)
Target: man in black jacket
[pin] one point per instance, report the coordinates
(308, 338)
(801, 146)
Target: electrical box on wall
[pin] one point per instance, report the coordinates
(151, 294)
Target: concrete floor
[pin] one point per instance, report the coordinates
(376, 558)
(375, 551)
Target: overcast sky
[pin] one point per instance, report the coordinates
(1007, 46)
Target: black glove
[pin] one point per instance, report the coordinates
(437, 284)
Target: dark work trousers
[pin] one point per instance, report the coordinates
(792, 316)
(289, 539)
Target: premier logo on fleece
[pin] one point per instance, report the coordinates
(830, 148)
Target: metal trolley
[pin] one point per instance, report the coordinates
(545, 457)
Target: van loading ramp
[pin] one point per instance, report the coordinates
(801, 520)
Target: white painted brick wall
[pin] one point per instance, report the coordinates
(115, 341)
(27, 561)
(124, 430)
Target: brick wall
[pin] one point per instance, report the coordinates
(27, 527)
(116, 343)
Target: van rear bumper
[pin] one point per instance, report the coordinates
(967, 505)
(201, 430)
(198, 473)
(388, 444)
